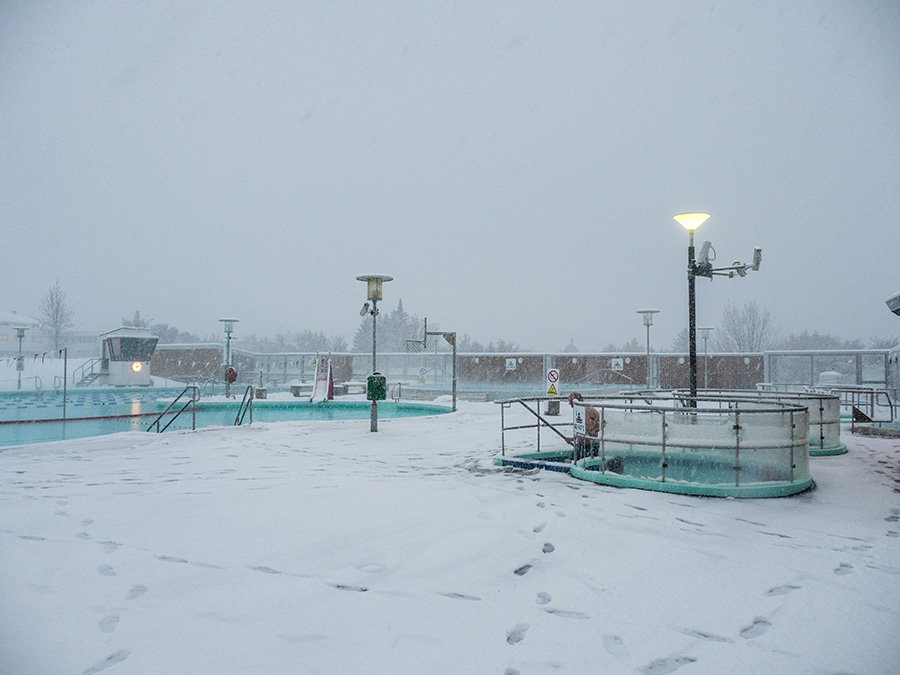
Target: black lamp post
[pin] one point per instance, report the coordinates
(704, 268)
(691, 221)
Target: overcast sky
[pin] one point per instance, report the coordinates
(515, 166)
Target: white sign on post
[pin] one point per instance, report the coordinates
(578, 419)
(617, 364)
(552, 382)
(511, 364)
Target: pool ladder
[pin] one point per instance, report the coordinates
(192, 402)
(246, 406)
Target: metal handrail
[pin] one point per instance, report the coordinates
(541, 420)
(83, 369)
(397, 391)
(195, 396)
(246, 404)
(865, 399)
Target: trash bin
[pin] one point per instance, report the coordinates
(553, 407)
(376, 387)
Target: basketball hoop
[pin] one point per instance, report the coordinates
(414, 346)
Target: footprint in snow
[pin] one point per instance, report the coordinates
(537, 529)
(517, 634)
(664, 666)
(347, 587)
(522, 571)
(844, 568)
(567, 613)
(548, 548)
(111, 660)
(136, 591)
(543, 598)
(106, 571)
(264, 569)
(614, 645)
(108, 623)
(759, 626)
(782, 590)
(712, 637)
(459, 596)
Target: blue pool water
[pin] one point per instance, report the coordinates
(30, 418)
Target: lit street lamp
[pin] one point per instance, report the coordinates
(691, 221)
(706, 331)
(703, 268)
(374, 287)
(648, 321)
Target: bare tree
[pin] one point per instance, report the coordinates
(748, 328)
(56, 316)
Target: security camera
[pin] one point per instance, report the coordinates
(740, 268)
(757, 258)
(365, 309)
(893, 303)
(703, 256)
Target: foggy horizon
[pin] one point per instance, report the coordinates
(514, 166)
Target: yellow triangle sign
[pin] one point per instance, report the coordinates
(552, 390)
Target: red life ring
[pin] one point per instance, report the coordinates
(230, 374)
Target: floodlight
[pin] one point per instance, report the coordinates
(365, 309)
(893, 303)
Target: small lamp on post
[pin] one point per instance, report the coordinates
(230, 374)
(706, 330)
(20, 362)
(377, 390)
(648, 321)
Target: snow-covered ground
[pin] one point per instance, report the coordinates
(323, 548)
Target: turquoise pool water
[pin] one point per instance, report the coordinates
(31, 418)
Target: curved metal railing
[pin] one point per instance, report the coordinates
(245, 407)
(170, 409)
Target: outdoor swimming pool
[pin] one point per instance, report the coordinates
(31, 418)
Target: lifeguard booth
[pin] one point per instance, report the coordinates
(126, 357)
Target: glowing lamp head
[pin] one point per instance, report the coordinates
(137, 366)
(691, 221)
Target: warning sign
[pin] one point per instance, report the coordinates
(578, 419)
(552, 379)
